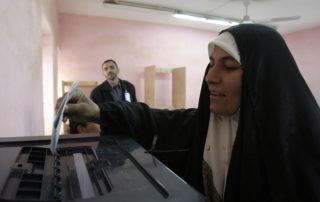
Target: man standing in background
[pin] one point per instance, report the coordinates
(113, 88)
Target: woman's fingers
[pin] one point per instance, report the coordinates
(58, 103)
(80, 108)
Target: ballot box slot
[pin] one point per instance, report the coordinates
(70, 174)
(97, 171)
(117, 168)
(31, 181)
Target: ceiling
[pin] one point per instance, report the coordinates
(308, 10)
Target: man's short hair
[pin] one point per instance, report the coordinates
(110, 60)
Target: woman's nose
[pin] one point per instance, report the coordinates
(212, 76)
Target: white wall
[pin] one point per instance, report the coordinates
(49, 61)
(21, 87)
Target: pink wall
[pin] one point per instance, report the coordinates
(305, 47)
(85, 42)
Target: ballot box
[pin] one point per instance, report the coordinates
(87, 168)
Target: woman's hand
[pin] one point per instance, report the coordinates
(80, 108)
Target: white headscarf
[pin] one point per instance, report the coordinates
(225, 41)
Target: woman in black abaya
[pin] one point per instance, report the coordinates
(276, 154)
(269, 142)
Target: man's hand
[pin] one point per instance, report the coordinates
(80, 108)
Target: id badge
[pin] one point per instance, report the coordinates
(127, 96)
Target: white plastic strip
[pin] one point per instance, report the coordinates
(85, 184)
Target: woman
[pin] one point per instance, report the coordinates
(255, 134)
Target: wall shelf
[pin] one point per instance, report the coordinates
(178, 86)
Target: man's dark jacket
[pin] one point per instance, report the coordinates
(102, 93)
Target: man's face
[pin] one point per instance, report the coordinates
(110, 71)
(224, 80)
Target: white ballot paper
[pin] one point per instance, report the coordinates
(58, 118)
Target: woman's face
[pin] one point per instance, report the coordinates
(224, 80)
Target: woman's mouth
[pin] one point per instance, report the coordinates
(216, 93)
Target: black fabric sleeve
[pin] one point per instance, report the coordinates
(172, 127)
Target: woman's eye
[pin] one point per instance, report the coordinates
(230, 68)
(230, 65)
